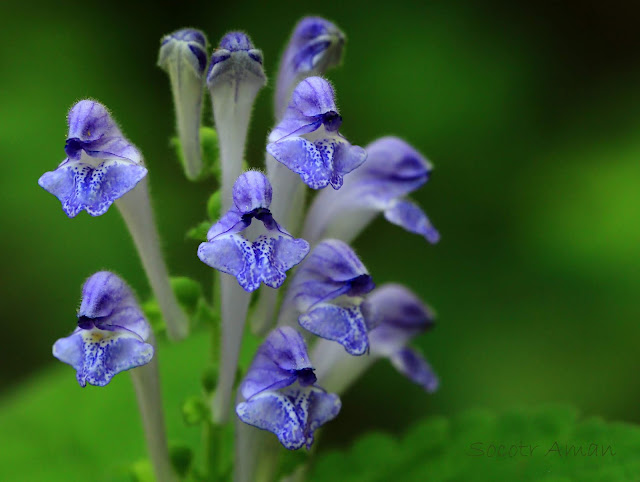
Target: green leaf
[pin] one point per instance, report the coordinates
(93, 433)
(199, 232)
(545, 444)
(210, 151)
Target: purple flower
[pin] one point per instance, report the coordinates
(280, 393)
(314, 47)
(111, 335)
(268, 257)
(393, 170)
(328, 291)
(186, 46)
(307, 140)
(401, 316)
(183, 56)
(235, 60)
(101, 164)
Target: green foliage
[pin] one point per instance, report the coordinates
(181, 459)
(210, 151)
(210, 156)
(195, 410)
(142, 471)
(94, 433)
(188, 292)
(214, 206)
(209, 379)
(548, 444)
(152, 312)
(199, 232)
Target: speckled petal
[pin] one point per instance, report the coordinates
(79, 186)
(279, 362)
(98, 355)
(345, 325)
(412, 364)
(292, 414)
(313, 161)
(346, 159)
(410, 217)
(234, 255)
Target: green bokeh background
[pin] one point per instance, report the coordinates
(529, 111)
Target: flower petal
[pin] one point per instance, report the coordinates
(291, 414)
(231, 254)
(79, 186)
(410, 217)
(98, 355)
(346, 325)
(279, 362)
(312, 161)
(252, 190)
(412, 364)
(315, 46)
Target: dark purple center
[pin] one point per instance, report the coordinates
(73, 146)
(261, 214)
(360, 285)
(332, 121)
(306, 377)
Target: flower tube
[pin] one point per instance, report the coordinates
(183, 56)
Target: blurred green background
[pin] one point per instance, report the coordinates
(530, 112)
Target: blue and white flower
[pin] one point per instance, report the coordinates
(111, 335)
(280, 392)
(269, 256)
(101, 164)
(327, 293)
(307, 140)
(315, 46)
(183, 56)
(393, 170)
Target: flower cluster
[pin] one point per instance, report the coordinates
(330, 293)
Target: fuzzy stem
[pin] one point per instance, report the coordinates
(146, 383)
(135, 207)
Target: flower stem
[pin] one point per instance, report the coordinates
(146, 383)
(135, 207)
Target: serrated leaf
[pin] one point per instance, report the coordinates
(550, 444)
